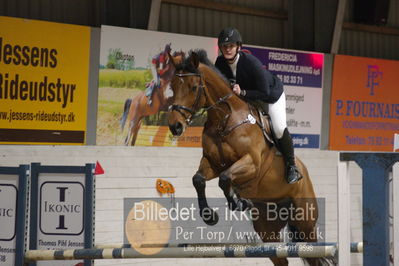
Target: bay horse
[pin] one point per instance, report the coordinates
(251, 174)
(135, 109)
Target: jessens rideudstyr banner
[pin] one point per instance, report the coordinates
(43, 82)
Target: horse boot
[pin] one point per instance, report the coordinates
(286, 146)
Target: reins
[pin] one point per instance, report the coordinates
(222, 128)
(193, 110)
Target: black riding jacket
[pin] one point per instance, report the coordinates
(259, 83)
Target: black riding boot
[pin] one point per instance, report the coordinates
(286, 146)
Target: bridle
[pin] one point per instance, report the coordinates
(194, 110)
(222, 129)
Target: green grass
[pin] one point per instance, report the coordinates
(112, 107)
(132, 79)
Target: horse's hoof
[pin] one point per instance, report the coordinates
(209, 216)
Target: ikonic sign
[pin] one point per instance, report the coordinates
(8, 208)
(61, 208)
(61, 212)
(7, 211)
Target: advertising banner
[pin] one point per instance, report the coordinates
(364, 104)
(61, 210)
(302, 76)
(134, 86)
(61, 213)
(13, 214)
(151, 224)
(8, 218)
(44, 70)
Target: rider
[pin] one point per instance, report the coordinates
(253, 82)
(158, 67)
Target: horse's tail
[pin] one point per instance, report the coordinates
(126, 109)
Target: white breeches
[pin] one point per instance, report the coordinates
(278, 116)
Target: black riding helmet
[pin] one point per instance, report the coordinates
(229, 35)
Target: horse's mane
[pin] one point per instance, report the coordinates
(203, 58)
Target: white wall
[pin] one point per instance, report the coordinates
(132, 171)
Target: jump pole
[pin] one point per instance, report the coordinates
(267, 251)
(281, 250)
(355, 247)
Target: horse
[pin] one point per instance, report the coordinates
(251, 172)
(136, 109)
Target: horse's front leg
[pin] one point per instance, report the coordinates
(242, 169)
(204, 173)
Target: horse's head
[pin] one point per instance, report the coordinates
(188, 93)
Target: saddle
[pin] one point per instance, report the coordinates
(265, 122)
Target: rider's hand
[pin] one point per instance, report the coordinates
(236, 89)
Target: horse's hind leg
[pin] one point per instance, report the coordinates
(135, 131)
(131, 133)
(269, 230)
(279, 261)
(304, 224)
(304, 228)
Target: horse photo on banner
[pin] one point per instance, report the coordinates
(134, 78)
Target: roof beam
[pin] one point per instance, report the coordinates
(205, 4)
(154, 15)
(339, 19)
(371, 28)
